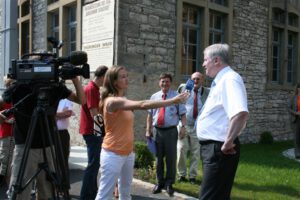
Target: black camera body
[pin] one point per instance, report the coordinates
(33, 70)
(44, 67)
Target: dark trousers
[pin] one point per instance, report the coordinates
(65, 146)
(218, 170)
(166, 147)
(89, 183)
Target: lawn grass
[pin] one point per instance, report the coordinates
(263, 174)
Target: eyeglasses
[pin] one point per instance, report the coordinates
(196, 79)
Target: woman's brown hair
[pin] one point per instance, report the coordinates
(109, 88)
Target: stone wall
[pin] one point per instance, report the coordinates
(146, 43)
(146, 46)
(39, 28)
(268, 108)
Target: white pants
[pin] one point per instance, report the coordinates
(112, 168)
(189, 142)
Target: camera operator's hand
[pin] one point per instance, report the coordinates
(79, 96)
(67, 71)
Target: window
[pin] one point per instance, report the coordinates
(55, 25)
(25, 8)
(64, 27)
(276, 55)
(190, 40)
(278, 16)
(216, 27)
(221, 2)
(72, 29)
(25, 38)
(292, 57)
(24, 30)
(52, 1)
(284, 52)
(200, 23)
(293, 19)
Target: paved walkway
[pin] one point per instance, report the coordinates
(140, 190)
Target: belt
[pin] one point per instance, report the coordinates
(205, 142)
(165, 128)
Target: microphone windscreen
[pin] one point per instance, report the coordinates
(78, 57)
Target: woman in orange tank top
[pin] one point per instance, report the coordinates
(117, 155)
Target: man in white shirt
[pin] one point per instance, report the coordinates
(63, 114)
(189, 141)
(223, 117)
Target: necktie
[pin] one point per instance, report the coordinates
(195, 110)
(161, 114)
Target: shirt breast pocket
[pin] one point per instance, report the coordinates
(171, 110)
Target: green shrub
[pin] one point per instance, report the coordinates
(143, 157)
(266, 138)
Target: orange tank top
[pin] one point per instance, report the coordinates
(118, 131)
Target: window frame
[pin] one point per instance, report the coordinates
(63, 8)
(288, 76)
(206, 6)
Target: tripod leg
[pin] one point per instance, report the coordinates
(17, 186)
(58, 161)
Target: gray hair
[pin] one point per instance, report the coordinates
(218, 50)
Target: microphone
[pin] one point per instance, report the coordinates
(189, 85)
(75, 58)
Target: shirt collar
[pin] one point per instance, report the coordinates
(220, 74)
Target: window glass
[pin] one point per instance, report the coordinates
(190, 40)
(293, 19)
(276, 55)
(216, 27)
(72, 23)
(221, 2)
(292, 58)
(278, 15)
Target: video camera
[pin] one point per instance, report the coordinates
(46, 67)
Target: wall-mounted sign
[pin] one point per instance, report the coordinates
(98, 27)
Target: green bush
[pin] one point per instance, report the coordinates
(143, 157)
(266, 138)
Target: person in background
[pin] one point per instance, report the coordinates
(223, 117)
(190, 141)
(7, 143)
(117, 155)
(294, 109)
(93, 142)
(161, 124)
(63, 114)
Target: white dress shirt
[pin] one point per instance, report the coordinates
(227, 98)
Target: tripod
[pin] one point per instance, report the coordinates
(40, 118)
